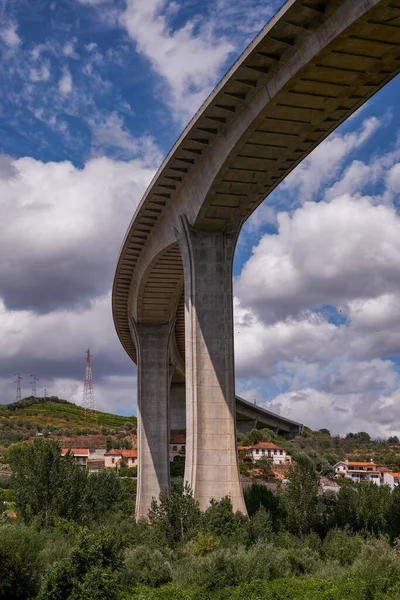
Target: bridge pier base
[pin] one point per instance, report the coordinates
(152, 342)
(211, 466)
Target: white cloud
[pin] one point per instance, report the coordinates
(188, 58)
(59, 359)
(322, 169)
(55, 282)
(10, 36)
(341, 414)
(60, 214)
(109, 131)
(65, 83)
(324, 162)
(69, 49)
(41, 74)
(324, 253)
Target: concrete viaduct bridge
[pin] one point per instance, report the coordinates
(308, 70)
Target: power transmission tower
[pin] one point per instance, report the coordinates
(18, 382)
(34, 379)
(88, 391)
(45, 393)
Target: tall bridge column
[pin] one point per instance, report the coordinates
(152, 343)
(211, 466)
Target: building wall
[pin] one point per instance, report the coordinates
(274, 455)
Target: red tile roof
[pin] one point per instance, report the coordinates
(265, 446)
(361, 464)
(123, 453)
(178, 441)
(394, 474)
(75, 451)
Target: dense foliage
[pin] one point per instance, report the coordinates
(75, 538)
(48, 486)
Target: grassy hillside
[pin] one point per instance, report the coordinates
(22, 420)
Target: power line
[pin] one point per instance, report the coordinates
(18, 382)
(88, 391)
(34, 379)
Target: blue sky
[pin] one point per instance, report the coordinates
(93, 95)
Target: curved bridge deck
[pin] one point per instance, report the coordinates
(307, 71)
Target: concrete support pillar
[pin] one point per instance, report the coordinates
(152, 343)
(211, 467)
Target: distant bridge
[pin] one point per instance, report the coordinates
(307, 71)
(248, 416)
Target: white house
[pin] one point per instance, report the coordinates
(358, 471)
(81, 455)
(278, 455)
(113, 457)
(177, 447)
(391, 479)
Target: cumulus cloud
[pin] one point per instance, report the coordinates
(379, 416)
(10, 36)
(323, 253)
(65, 83)
(53, 345)
(40, 74)
(110, 132)
(321, 173)
(62, 227)
(323, 164)
(189, 58)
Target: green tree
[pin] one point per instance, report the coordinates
(219, 518)
(46, 484)
(258, 496)
(176, 514)
(302, 495)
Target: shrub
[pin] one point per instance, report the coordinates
(203, 544)
(342, 546)
(25, 553)
(177, 514)
(89, 573)
(142, 565)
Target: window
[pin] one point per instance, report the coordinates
(112, 461)
(182, 448)
(257, 451)
(174, 448)
(263, 451)
(281, 452)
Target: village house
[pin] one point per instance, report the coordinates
(177, 447)
(81, 455)
(391, 479)
(270, 451)
(113, 457)
(358, 471)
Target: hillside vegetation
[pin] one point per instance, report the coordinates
(57, 417)
(72, 536)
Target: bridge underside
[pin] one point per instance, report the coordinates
(248, 416)
(311, 68)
